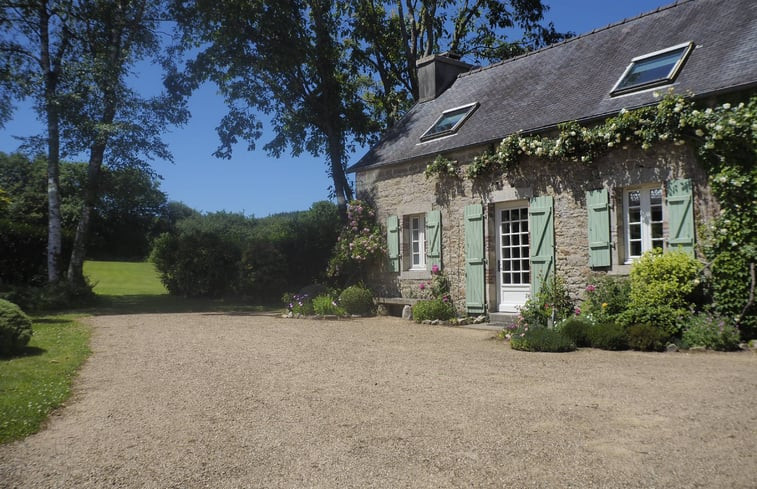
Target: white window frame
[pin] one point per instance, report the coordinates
(430, 134)
(417, 223)
(689, 46)
(645, 215)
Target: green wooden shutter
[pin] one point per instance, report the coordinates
(680, 200)
(540, 213)
(475, 300)
(393, 242)
(598, 206)
(434, 239)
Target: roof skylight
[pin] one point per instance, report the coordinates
(449, 122)
(653, 69)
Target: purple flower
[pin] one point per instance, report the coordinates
(422, 286)
(578, 311)
(435, 269)
(590, 288)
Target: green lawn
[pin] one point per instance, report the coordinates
(124, 278)
(39, 379)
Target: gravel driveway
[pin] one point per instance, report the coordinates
(232, 401)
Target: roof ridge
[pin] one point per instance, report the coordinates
(573, 39)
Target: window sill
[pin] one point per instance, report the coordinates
(415, 274)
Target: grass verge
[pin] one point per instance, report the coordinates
(38, 380)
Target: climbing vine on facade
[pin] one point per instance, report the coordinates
(725, 140)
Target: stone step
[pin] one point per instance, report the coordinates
(502, 318)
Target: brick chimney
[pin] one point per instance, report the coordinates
(436, 73)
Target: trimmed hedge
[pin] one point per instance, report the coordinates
(356, 300)
(577, 330)
(645, 337)
(608, 336)
(15, 328)
(541, 339)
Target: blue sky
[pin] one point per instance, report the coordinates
(253, 183)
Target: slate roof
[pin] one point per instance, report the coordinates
(572, 80)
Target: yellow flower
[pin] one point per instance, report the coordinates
(604, 304)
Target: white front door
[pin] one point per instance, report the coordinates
(513, 270)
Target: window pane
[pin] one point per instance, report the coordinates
(657, 230)
(655, 196)
(524, 264)
(657, 214)
(634, 215)
(635, 231)
(505, 278)
(652, 69)
(515, 240)
(516, 278)
(634, 198)
(526, 278)
(657, 244)
(516, 252)
(447, 122)
(505, 252)
(636, 248)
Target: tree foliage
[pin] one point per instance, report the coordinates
(130, 212)
(332, 73)
(286, 61)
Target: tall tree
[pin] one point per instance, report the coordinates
(286, 60)
(388, 37)
(332, 73)
(109, 120)
(35, 43)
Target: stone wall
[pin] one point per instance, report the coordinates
(403, 189)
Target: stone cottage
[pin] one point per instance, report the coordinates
(497, 242)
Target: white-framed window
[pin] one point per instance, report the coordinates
(417, 242)
(643, 218)
(449, 122)
(653, 69)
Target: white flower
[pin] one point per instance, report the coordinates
(726, 106)
(699, 132)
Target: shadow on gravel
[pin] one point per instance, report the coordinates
(108, 305)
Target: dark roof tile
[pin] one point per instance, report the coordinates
(572, 80)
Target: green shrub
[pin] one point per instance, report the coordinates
(356, 300)
(662, 288)
(713, 332)
(576, 329)
(15, 328)
(552, 302)
(541, 339)
(606, 298)
(433, 309)
(645, 337)
(324, 305)
(608, 336)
